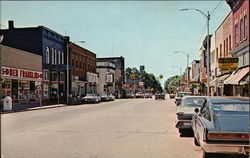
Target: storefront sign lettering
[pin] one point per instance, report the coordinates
(20, 73)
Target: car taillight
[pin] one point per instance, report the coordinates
(228, 136)
(180, 113)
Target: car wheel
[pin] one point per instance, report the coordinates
(196, 142)
(207, 155)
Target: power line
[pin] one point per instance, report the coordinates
(216, 7)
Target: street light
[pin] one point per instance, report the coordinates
(68, 45)
(207, 16)
(187, 55)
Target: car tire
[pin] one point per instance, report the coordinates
(196, 142)
(207, 155)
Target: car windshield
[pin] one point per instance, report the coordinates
(192, 102)
(231, 108)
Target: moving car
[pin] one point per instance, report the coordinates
(179, 96)
(185, 112)
(222, 126)
(90, 98)
(172, 95)
(160, 96)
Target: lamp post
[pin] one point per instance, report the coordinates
(187, 55)
(68, 45)
(207, 16)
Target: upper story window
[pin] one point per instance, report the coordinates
(230, 47)
(59, 57)
(241, 29)
(220, 50)
(62, 58)
(55, 57)
(227, 46)
(46, 75)
(236, 32)
(245, 24)
(52, 56)
(224, 48)
(47, 55)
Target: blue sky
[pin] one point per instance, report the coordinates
(145, 33)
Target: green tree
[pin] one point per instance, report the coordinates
(171, 83)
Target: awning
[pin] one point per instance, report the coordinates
(212, 83)
(245, 80)
(218, 81)
(237, 76)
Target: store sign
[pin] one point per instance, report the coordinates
(110, 78)
(21, 73)
(228, 64)
(92, 77)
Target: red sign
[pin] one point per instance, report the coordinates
(20, 73)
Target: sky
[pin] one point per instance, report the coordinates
(143, 32)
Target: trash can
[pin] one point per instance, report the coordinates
(7, 103)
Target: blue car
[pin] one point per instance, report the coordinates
(222, 126)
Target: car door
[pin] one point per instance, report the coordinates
(203, 119)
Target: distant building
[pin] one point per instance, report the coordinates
(106, 73)
(119, 76)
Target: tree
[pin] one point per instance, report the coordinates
(172, 83)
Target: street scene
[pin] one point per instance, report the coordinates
(124, 79)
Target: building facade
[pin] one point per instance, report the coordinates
(83, 65)
(51, 46)
(21, 72)
(106, 72)
(119, 76)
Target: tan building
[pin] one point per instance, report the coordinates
(21, 72)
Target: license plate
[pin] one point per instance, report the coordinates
(247, 150)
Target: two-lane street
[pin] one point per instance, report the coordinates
(129, 128)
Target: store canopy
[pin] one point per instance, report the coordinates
(237, 76)
(218, 80)
(245, 80)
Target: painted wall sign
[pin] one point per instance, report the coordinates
(21, 73)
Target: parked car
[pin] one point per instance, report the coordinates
(179, 96)
(104, 97)
(185, 112)
(129, 95)
(148, 95)
(172, 95)
(90, 98)
(111, 97)
(139, 95)
(160, 96)
(222, 126)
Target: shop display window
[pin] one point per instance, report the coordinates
(14, 91)
(46, 90)
(6, 88)
(23, 90)
(35, 90)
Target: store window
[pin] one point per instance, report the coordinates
(35, 91)
(14, 91)
(6, 88)
(62, 76)
(46, 75)
(45, 90)
(54, 76)
(23, 90)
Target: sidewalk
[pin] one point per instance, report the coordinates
(35, 108)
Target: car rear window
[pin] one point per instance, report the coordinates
(183, 94)
(193, 102)
(232, 107)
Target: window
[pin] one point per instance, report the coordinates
(227, 46)
(217, 53)
(53, 56)
(62, 77)
(59, 57)
(206, 112)
(47, 55)
(224, 48)
(245, 26)
(54, 76)
(46, 75)
(236, 34)
(72, 62)
(230, 47)
(62, 58)
(241, 29)
(220, 50)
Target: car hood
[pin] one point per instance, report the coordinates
(186, 110)
(230, 123)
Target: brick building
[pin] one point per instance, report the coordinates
(83, 63)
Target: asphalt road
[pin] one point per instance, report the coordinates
(128, 128)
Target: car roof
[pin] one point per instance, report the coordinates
(186, 97)
(229, 99)
(185, 92)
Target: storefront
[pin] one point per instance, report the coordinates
(24, 86)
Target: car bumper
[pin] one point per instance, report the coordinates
(226, 148)
(183, 124)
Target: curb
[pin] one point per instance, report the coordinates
(33, 109)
